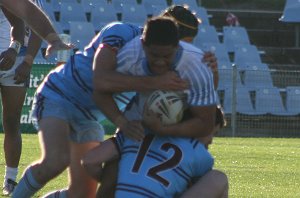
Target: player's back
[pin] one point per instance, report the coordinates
(75, 77)
(159, 166)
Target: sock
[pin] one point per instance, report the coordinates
(27, 186)
(10, 173)
(57, 194)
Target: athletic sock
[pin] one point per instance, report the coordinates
(10, 173)
(27, 186)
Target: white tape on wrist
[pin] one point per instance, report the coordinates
(16, 45)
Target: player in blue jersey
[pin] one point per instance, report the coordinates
(161, 166)
(16, 60)
(64, 108)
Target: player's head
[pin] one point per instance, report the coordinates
(160, 42)
(187, 21)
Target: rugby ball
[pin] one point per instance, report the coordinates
(167, 104)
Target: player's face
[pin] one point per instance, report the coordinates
(160, 57)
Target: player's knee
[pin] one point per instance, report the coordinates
(55, 164)
(222, 179)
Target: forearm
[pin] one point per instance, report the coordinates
(34, 45)
(198, 122)
(34, 17)
(112, 81)
(109, 108)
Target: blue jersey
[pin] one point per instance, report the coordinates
(73, 80)
(159, 166)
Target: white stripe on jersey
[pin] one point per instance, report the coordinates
(190, 67)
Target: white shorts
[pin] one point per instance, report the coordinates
(7, 77)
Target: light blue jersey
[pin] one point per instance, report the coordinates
(159, 166)
(187, 64)
(72, 81)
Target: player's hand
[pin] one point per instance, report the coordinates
(133, 130)
(22, 73)
(57, 45)
(7, 59)
(170, 81)
(210, 59)
(152, 120)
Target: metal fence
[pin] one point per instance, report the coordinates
(265, 102)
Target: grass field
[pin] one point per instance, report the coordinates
(256, 167)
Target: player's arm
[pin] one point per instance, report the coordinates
(38, 22)
(17, 33)
(199, 124)
(201, 106)
(93, 160)
(23, 71)
(108, 81)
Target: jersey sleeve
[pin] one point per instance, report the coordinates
(200, 78)
(116, 35)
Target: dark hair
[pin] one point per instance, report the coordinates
(220, 117)
(186, 20)
(160, 31)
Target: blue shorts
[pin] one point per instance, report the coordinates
(82, 130)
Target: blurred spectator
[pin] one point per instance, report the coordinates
(232, 20)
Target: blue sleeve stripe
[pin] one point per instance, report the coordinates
(77, 78)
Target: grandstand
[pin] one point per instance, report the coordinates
(263, 49)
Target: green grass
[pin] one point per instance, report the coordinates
(256, 167)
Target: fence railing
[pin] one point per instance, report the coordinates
(261, 102)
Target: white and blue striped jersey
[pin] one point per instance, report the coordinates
(187, 64)
(73, 80)
(159, 166)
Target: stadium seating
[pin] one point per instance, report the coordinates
(234, 35)
(245, 54)
(154, 7)
(55, 4)
(218, 49)
(293, 100)
(88, 5)
(81, 33)
(291, 11)
(269, 101)
(135, 14)
(206, 34)
(48, 9)
(243, 101)
(71, 12)
(201, 13)
(257, 77)
(226, 76)
(102, 14)
(190, 3)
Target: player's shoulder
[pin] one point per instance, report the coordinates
(190, 49)
(120, 28)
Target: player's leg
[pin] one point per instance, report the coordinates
(12, 103)
(81, 184)
(54, 142)
(213, 184)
